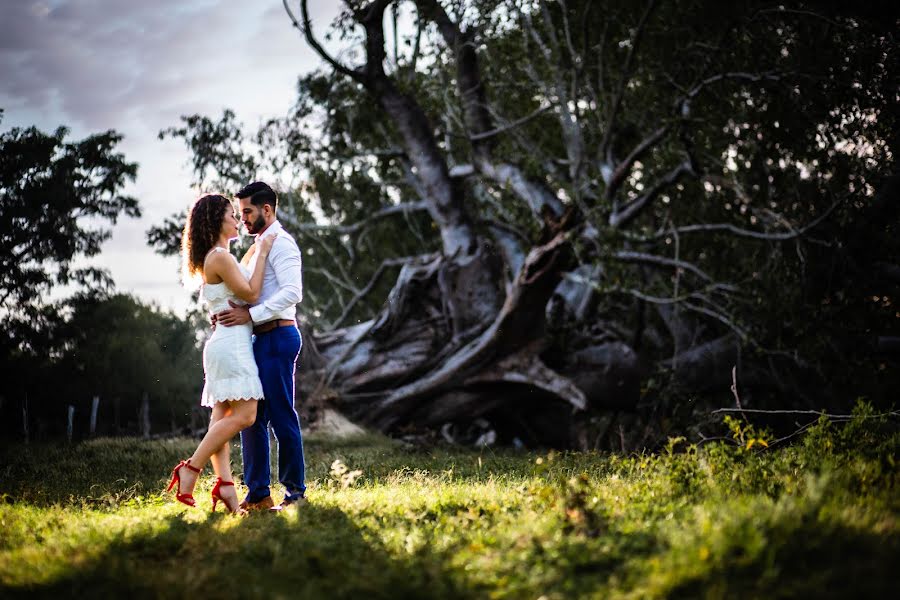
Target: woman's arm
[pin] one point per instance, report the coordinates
(220, 265)
(286, 263)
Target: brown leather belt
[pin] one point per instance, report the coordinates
(274, 324)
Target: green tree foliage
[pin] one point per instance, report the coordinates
(121, 349)
(55, 197)
(111, 346)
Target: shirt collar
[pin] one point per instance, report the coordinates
(272, 229)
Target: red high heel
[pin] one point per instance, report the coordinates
(216, 496)
(176, 480)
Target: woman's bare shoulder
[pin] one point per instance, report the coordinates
(218, 256)
(217, 262)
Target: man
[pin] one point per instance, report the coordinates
(276, 346)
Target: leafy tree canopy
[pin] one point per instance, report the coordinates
(56, 199)
(118, 347)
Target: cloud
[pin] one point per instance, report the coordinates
(106, 63)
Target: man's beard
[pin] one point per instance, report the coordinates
(256, 226)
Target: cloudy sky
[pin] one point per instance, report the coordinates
(136, 67)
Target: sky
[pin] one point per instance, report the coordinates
(136, 67)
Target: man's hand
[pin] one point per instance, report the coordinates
(212, 321)
(236, 315)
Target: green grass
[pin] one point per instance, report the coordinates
(815, 520)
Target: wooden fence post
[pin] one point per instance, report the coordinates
(95, 404)
(25, 417)
(70, 423)
(193, 421)
(145, 416)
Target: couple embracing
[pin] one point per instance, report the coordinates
(248, 362)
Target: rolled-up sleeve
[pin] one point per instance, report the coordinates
(286, 263)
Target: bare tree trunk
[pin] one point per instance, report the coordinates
(450, 325)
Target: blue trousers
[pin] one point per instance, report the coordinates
(276, 353)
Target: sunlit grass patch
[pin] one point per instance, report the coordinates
(818, 519)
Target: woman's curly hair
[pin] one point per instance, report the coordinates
(201, 231)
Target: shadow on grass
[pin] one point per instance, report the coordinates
(311, 552)
(132, 565)
(830, 562)
(97, 472)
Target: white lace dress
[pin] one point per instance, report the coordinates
(228, 364)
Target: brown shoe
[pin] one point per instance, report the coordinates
(264, 504)
(295, 503)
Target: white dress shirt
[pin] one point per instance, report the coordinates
(282, 285)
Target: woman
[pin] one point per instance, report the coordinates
(232, 386)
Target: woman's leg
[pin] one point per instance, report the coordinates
(232, 417)
(221, 460)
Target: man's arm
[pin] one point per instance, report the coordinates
(287, 265)
(236, 315)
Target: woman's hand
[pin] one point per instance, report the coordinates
(265, 245)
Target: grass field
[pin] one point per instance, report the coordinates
(814, 520)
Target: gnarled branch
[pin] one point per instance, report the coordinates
(624, 167)
(622, 217)
(734, 229)
(306, 28)
(641, 257)
(388, 211)
(373, 281)
(478, 122)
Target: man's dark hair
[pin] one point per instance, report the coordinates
(259, 193)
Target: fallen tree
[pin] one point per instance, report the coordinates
(603, 195)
